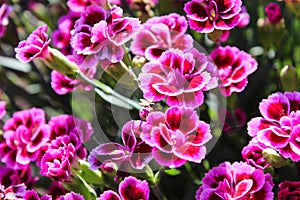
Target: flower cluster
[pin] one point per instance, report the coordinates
(236, 181)
(143, 49)
(278, 128)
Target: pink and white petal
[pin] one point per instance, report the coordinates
(128, 137)
(154, 52)
(190, 152)
(162, 32)
(167, 89)
(39, 139)
(295, 140)
(99, 32)
(193, 99)
(198, 82)
(150, 93)
(23, 157)
(167, 159)
(258, 123)
(155, 118)
(272, 139)
(275, 107)
(210, 194)
(242, 188)
(294, 98)
(183, 42)
(201, 26)
(109, 195)
(142, 41)
(159, 141)
(201, 136)
(287, 152)
(154, 68)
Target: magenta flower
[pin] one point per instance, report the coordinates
(24, 135)
(129, 189)
(61, 37)
(2, 109)
(33, 195)
(273, 13)
(5, 10)
(15, 192)
(289, 190)
(36, 45)
(204, 16)
(179, 77)
(176, 136)
(56, 162)
(235, 181)
(253, 154)
(279, 126)
(234, 67)
(135, 152)
(101, 33)
(11, 177)
(67, 124)
(160, 34)
(71, 196)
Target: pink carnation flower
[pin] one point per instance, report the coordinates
(101, 33)
(24, 135)
(205, 16)
(279, 126)
(176, 136)
(160, 34)
(236, 181)
(36, 45)
(179, 77)
(234, 67)
(129, 189)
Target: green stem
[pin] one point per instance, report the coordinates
(108, 90)
(158, 192)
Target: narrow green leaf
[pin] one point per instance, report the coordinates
(172, 172)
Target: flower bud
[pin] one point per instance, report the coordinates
(273, 13)
(138, 61)
(58, 61)
(274, 158)
(289, 78)
(271, 35)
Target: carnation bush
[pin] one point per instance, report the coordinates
(149, 99)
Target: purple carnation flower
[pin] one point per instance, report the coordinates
(5, 10)
(234, 66)
(56, 162)
(204, 16)
(176, 136)
(33, 195)
(181, 77)
(279, 126)
(101, 33)
(160, 34)
(135, 152)
(129, 189)
(2, 109)
(36, 45)
(236, 181)
(24, 135)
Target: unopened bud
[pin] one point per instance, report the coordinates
(274, 158)
(138, 61)
(289, 78)
(58, 61)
